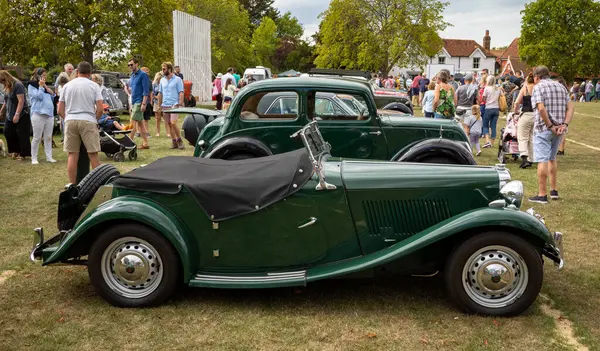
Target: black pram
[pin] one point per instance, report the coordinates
(114, 143)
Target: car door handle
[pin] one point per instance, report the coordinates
(376, 133)
(310, 222)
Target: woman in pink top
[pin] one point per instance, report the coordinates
(217, 91)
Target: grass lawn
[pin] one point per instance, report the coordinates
(55, 307)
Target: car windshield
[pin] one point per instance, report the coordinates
(254, 76)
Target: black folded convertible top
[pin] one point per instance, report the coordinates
(224, 189)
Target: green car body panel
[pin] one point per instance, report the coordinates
(380, 137)
(380, 212)
(138, 209)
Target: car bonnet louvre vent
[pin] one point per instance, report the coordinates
(404, 217)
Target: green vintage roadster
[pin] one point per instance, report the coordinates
(299, 217)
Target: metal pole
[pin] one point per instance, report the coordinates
(83, 164)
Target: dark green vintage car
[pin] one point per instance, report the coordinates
(299, 217)
(263, 115)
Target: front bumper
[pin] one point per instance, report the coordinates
(553, 251)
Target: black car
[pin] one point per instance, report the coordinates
(113, 81)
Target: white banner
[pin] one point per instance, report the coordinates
(191, 38)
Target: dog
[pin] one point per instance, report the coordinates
(2, 149)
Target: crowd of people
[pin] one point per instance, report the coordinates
(542, 108)
(225, 86)
(78, 99)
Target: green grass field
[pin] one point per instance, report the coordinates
(56, 308)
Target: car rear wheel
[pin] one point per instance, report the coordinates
(131, 265)
(494, 273)
(240, 156)
(446, 160)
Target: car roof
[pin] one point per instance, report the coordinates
(305, 82)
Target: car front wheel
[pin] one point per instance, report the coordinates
(494, 273)
(131, 265)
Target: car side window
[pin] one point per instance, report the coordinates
(337, 107)
(271, 107)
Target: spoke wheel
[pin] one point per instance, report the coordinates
(132, 267)
(495, 276)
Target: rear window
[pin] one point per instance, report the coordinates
(271, 106)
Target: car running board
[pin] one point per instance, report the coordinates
(268, 280)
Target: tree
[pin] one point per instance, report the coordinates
(379, 34)
(80, 29)
(264, 41)
(257, 9)
(289, 28)
(562, 35)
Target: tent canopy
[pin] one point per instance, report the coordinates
(290, 73)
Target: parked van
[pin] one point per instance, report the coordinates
(257, 73)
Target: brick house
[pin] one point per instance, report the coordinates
(509, 62)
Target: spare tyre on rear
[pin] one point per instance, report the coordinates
(73, 202)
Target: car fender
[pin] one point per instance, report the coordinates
(529, 227)
(133, 209)
(239, 144)
(435, 147)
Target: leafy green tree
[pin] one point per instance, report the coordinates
(378, 34)
(81, 29)
(257, 9)
(289, 28)
(264, 41)
(563, 35)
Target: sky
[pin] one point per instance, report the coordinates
(469, 18)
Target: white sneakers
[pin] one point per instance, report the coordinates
(35, 162)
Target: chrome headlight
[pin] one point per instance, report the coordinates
(513, 193)
(503, 174)
(202, 144)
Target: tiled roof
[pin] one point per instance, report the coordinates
(464, 48)
(497, 53)
(512, 50)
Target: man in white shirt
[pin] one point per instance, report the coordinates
(228, 75)
(80, 105)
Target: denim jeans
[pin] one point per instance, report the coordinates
(490, 120)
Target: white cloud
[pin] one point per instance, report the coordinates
(470, 18)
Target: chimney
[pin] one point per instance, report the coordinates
(487, 40)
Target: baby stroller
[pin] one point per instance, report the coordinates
(114, 143)
(509, 145)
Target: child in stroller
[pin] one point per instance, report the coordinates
(509, 146)
(114, 141)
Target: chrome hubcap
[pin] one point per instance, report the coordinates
(495, 276)
(132, 267)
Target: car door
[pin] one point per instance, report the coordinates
(284, 235)
(351, 133)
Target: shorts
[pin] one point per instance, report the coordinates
(148, 113)
(227, 98)
(169, 117)
(545, 146)
(77, 131)
(136, 113)
(155, 107)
